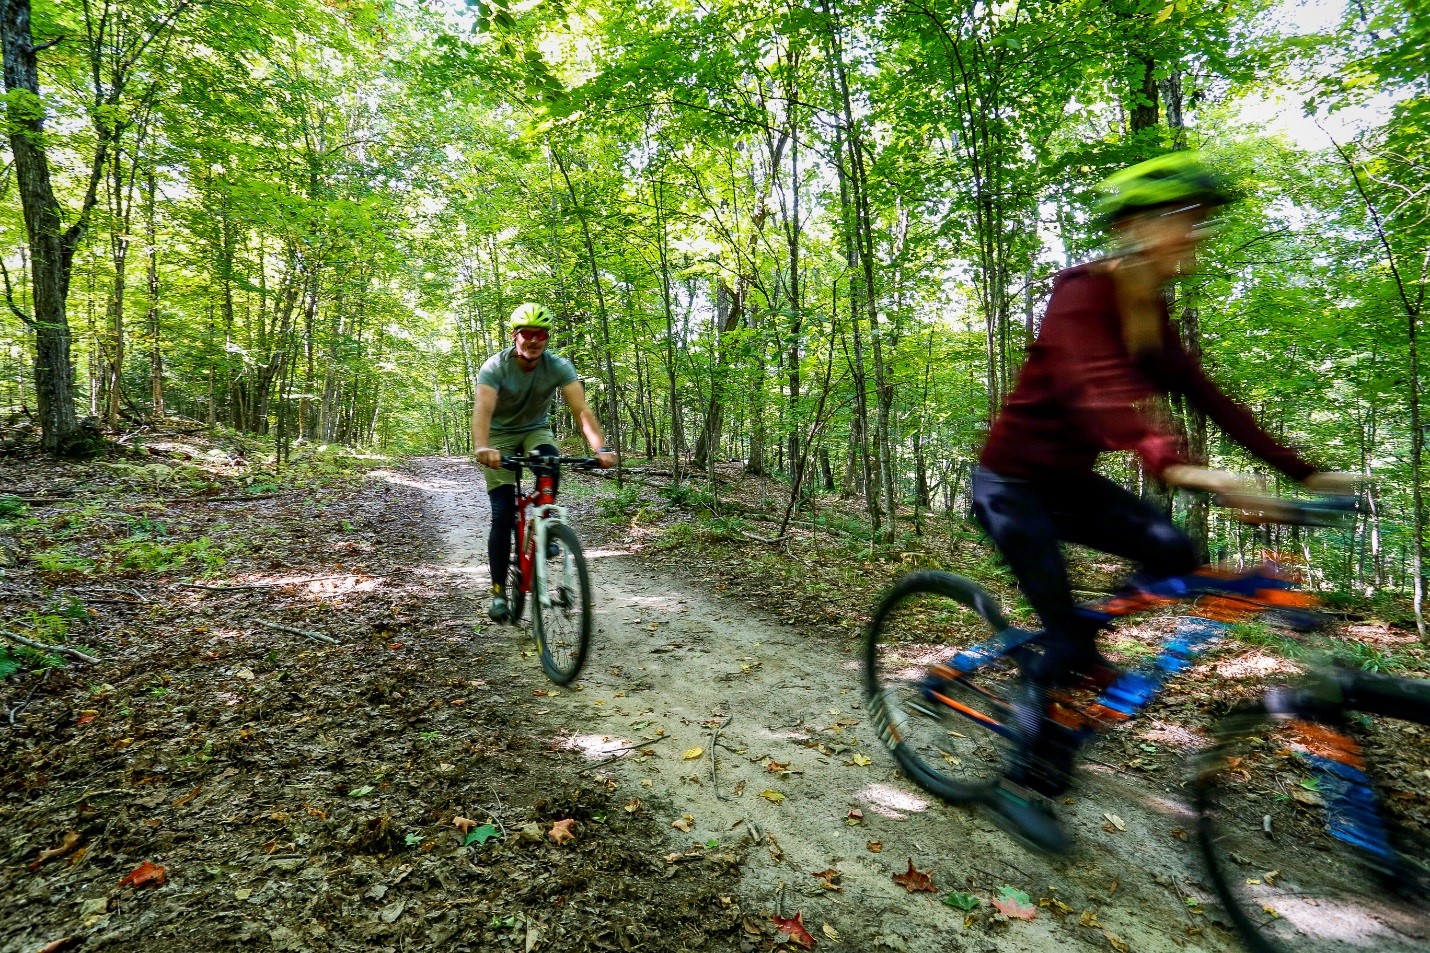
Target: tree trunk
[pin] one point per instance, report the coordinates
(52, 246)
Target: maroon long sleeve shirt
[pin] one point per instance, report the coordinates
(1080, 392)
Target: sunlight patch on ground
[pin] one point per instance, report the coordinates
(1257, 665)
(603, 553)
(891, 802)
(434, 485)
(1172, 735)
(596, 747)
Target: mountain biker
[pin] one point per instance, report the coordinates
(1104, 360)
(511, 415)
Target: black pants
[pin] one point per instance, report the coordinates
(504, 522)
(1028, 520)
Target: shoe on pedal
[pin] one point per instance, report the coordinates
(1028, 821)
(499, 609)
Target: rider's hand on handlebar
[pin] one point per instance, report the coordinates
(1333, 483)
(488, 457)
(605, 459)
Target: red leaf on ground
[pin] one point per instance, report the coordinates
(1015, 904)
(915, 881)
(561, 831)
(145, 875)
(794, 926)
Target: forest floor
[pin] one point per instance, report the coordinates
(300, 714)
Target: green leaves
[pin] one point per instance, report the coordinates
(482, 834)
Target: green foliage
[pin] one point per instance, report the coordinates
(625, 501)
(1368, 658)
(146, 553)
(62, 560)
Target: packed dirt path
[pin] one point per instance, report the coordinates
(751, 736)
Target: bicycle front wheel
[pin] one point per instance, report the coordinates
(561, 605)
(1314, 839)
(949, 726)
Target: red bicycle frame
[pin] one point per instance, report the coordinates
(543, 495)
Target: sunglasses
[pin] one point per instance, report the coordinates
(533, 334)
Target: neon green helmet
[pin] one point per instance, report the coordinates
(1177, 178)
(531, 315)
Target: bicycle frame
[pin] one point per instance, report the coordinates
(1219, 599)
(536, 511)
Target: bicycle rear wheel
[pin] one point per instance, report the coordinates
(561, 606)
(515, 598)
(1304, 848)
(939, 681)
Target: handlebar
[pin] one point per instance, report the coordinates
(534, 462)
(1253, 504)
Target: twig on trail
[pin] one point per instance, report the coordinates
(64, 650)
(617, 752)
(714, 742)
(134, 596)
(233, 498)
(15, 711)
(263, 585)
(288, 628)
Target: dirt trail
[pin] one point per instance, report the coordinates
(672, 665)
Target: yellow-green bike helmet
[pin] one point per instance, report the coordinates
(531, 315)
(1177, 178)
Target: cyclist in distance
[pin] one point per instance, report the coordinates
(511, 415)
(1104, 360)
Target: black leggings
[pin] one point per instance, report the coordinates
(504, 522)
(1028, 520)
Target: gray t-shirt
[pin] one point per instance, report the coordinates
(524, 397)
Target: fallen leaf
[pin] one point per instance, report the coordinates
(562, 831)
(1116, 942)
(828, 879)
(692, 753)
(915, 881)
(481, 834)
(777, 767)
(363, 791)
(830, 932)
(188, 797)
(1088, 919)
(862, 761)
(854, 818)
(1179, 833)
(961, 901)
(774, 797)
(1116, 821)
(633, 805)
(67, 844)
(794, 926)
(463, 824)
(684, 823)
(875, 846)
(242, 893)
(145, 875)
(85, 717)
(1015, 904)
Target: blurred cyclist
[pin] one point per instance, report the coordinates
(1104, 360)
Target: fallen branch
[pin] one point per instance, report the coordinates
(616, 753)
(715, 743)
(288, 628)
(15, 711)
(64, 650)
(264, 585)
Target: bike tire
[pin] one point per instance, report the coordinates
(515, 597)
(561, 618)
(1300, 886)
(925, 619)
